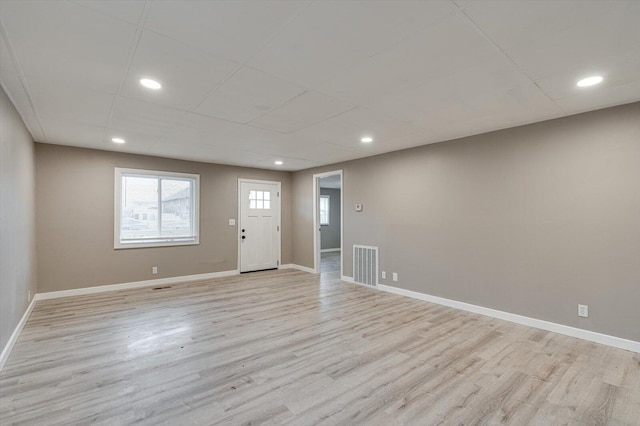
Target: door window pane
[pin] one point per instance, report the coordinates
(260, 200)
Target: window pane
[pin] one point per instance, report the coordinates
(267, 195)
(324, 210)
(260, 204)
(252, 204)
(267, 204)
(139, 208)
(176, 208)
(252, 195)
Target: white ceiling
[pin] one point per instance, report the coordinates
(250, 82)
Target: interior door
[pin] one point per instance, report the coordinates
(259, 225)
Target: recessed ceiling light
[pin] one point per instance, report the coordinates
(117, 140)
(278, 162)
(151, 84)
(366, 139)
(589, 81)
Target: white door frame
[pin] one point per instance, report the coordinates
(239, 220)
(316, 219)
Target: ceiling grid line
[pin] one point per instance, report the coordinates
(505, 54)
(244, 63)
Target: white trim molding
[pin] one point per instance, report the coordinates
(158, 240)
(135, 284)
(6, 351)
(592, 336)
(330, 250)
(316, 217)
(239, 217)
(298, 267)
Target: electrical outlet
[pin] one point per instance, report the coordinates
(395, 276)
(583, 311)
(154, 270)
(28, 295)
(384, 275)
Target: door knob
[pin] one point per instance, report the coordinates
(243, 230)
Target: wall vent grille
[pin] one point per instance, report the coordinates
(365, 265)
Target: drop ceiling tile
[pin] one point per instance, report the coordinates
(581, 48)
(131, 115)
(186, 73)
(516, 22)
(67, 43)
(127, 10)
(318, 151)
(615, 71)
(600, 97)
(206, 153)
(413, 62)
(195, 128)
(460, 94)
(348, 128)
(289, 164)
(329, 37)
(305, 110)
(74, 133)
(70, 104)
(230, 29)
(247, 95)
(255, 139)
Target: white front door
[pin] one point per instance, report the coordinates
(259, 225)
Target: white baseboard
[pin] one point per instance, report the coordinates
(330, 250)
(298, 267)
(347, 279)
(16, 333)
(592, 336)
(135, 284)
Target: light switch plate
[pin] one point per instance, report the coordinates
(384, 275)
(232, 222)
(583, 311)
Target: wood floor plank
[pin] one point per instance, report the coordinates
(287, 347)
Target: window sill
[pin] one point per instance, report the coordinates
(126, 246)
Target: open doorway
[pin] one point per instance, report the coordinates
(328, 223)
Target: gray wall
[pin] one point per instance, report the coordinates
(530, 220)
(330, 234)
(75, 191)
(17, 218)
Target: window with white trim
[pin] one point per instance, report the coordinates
(324, 209)
(154, 208)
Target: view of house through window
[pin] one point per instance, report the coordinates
(156, 208)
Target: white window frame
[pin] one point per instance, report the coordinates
(327, 223)
(156, 242)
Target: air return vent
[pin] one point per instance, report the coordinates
(365, 265)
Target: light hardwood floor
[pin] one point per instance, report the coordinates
(287, 347)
